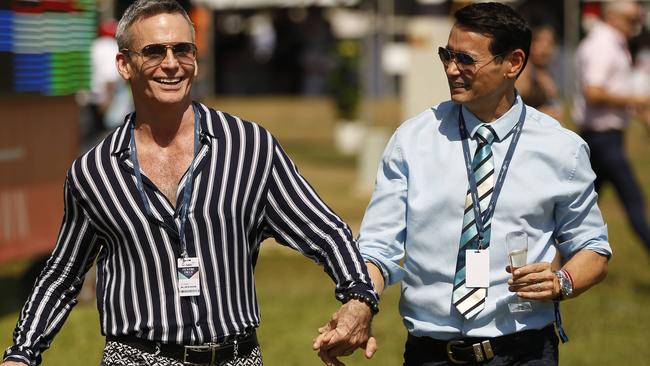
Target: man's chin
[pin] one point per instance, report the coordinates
(458, 96)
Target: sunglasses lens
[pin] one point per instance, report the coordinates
(184, 51)
(183, 48)
(154, 54)
(444, 54)
(154, 51)
(465, 59)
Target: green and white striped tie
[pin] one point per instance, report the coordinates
(470, 301)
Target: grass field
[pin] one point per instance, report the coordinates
(607, 326)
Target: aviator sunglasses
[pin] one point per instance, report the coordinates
(463, 61)
(154, 54)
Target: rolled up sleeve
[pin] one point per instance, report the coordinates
(579, 222)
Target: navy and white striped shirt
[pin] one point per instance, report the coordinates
(245, 189)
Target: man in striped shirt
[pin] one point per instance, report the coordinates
(173, 206)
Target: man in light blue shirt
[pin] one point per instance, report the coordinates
(420, 215)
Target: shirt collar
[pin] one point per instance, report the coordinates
(123, 148)
(502, 126)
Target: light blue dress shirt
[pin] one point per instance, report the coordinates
(412, 225)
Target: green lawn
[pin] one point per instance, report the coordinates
(607, 326)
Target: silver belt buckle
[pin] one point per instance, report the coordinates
(478, 354)
(487, 348)
(450, 352)
(209, 347)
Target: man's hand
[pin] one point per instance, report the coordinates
(347, 330)
(534, 281)
(12, 363)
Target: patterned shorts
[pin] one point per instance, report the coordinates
(119, 354)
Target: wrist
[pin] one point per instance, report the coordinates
(564, 283)
(366, 299)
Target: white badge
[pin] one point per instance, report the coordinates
(477, 268)
(189, 275)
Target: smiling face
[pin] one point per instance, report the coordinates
(484, 84)
(168, 83)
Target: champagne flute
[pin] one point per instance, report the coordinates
(517, 245)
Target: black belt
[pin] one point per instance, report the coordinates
(205, 354)
(474, 350)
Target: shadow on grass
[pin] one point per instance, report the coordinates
(642, 287)
(12, 294)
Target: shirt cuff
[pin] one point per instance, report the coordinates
(362, 292)
(19, 354)
(391, 271)
(595, 240)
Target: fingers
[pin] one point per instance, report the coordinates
(531, 268)
(534, 281)
(328, 359)
(330, 356)
(542, 290)
(326, 338)
(324, 332)
(370, 348)
(348, 330)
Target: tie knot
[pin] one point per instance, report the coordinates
(485, 134)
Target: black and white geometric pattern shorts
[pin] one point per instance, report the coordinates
(119, 354)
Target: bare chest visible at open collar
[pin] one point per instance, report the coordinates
(165, 166)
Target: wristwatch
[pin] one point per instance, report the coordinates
(566, 285)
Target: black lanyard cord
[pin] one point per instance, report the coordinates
(187, 192)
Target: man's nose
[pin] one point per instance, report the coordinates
(452, 67)
(170, 59)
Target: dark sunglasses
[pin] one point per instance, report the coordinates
(460, 58)
(184, 52)
(464, 62)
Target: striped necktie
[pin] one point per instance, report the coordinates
(470, 301)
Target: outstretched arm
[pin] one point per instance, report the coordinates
(54, 294)
(298, 218)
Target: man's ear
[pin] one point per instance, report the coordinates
(123, 66)
(515, 63)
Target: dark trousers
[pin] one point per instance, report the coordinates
(610, 164)
(532, 348)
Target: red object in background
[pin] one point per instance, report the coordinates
(38, 141)
(591, 9)
(39, 6)
(27, 6)
(30, 217)
(107, 28)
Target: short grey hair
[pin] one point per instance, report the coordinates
(146, 8)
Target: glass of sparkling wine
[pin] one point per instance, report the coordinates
(517, 245)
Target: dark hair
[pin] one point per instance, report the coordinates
(146, 8)
(507, 29)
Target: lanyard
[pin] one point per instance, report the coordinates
(187, 192)
(478, 218)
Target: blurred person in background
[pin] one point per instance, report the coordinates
(640, 47)
(536, 84)
(110, 98)
(605, 101)
(173, 205)
(446, 243)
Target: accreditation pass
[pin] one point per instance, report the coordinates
(189, 274)
(477, 268)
